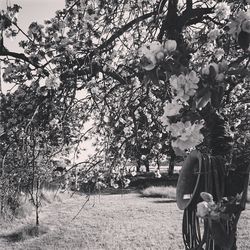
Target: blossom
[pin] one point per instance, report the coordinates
(133, 173)
(219, 53)
(170, 46)
(52, 82)
(172, 108)
(148, 62)
(186, 135)
(150, 54)
(99, 185)
(222, 10)
(184, 85)
(157, 173)
(54, 122)
(128, 131)
(213, 34)
(240, 22)
(202, 209)
(126, 182)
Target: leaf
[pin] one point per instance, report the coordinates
(203, 101)
(212, 72)
(244, 40)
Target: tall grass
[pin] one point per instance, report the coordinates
(160, 192)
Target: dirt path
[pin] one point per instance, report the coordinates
(112, 222)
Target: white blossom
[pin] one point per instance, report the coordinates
(202, 209)
(150, 54)
(222, 10)
(214, 34)
(52, 82)
(219, 53)
(186, 135)
(184, 85)
(157, 174)
(172, 108)
(170, 46)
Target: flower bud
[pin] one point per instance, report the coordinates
(159, 56)
(170, 46)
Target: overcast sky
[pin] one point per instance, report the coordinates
(32, 11)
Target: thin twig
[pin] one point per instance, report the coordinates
(88, 197)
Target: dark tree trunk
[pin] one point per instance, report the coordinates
(146, 163)
(171, 161)
(138, 166)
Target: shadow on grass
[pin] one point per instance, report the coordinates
(24, 233)
(165, 201)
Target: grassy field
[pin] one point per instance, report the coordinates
(128, 221)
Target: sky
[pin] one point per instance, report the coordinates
(37, 11)
(32, 11)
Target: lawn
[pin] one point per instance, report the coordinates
(127, 221)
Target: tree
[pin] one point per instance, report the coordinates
(158, 76)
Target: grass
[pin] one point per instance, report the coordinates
(159, 192)
(24, 233)
(107, 222)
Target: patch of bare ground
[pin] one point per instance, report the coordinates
(109, 222)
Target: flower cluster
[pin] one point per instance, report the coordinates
(207, 206)
(52, 82)
(214, 34)
(154, 52)
(186, 135)
(240, 23)
(184, 86)
(222, 11)
(217, 68)
(216, 211)
(171, 109)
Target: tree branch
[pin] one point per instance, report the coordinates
(193, 16)
(125, 28)
(21, 56)
(189, 4)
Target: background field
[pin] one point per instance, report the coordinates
(117, 221)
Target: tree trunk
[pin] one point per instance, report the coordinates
(171, 161)
(138, 166)
(146, 163)
(37, 205)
